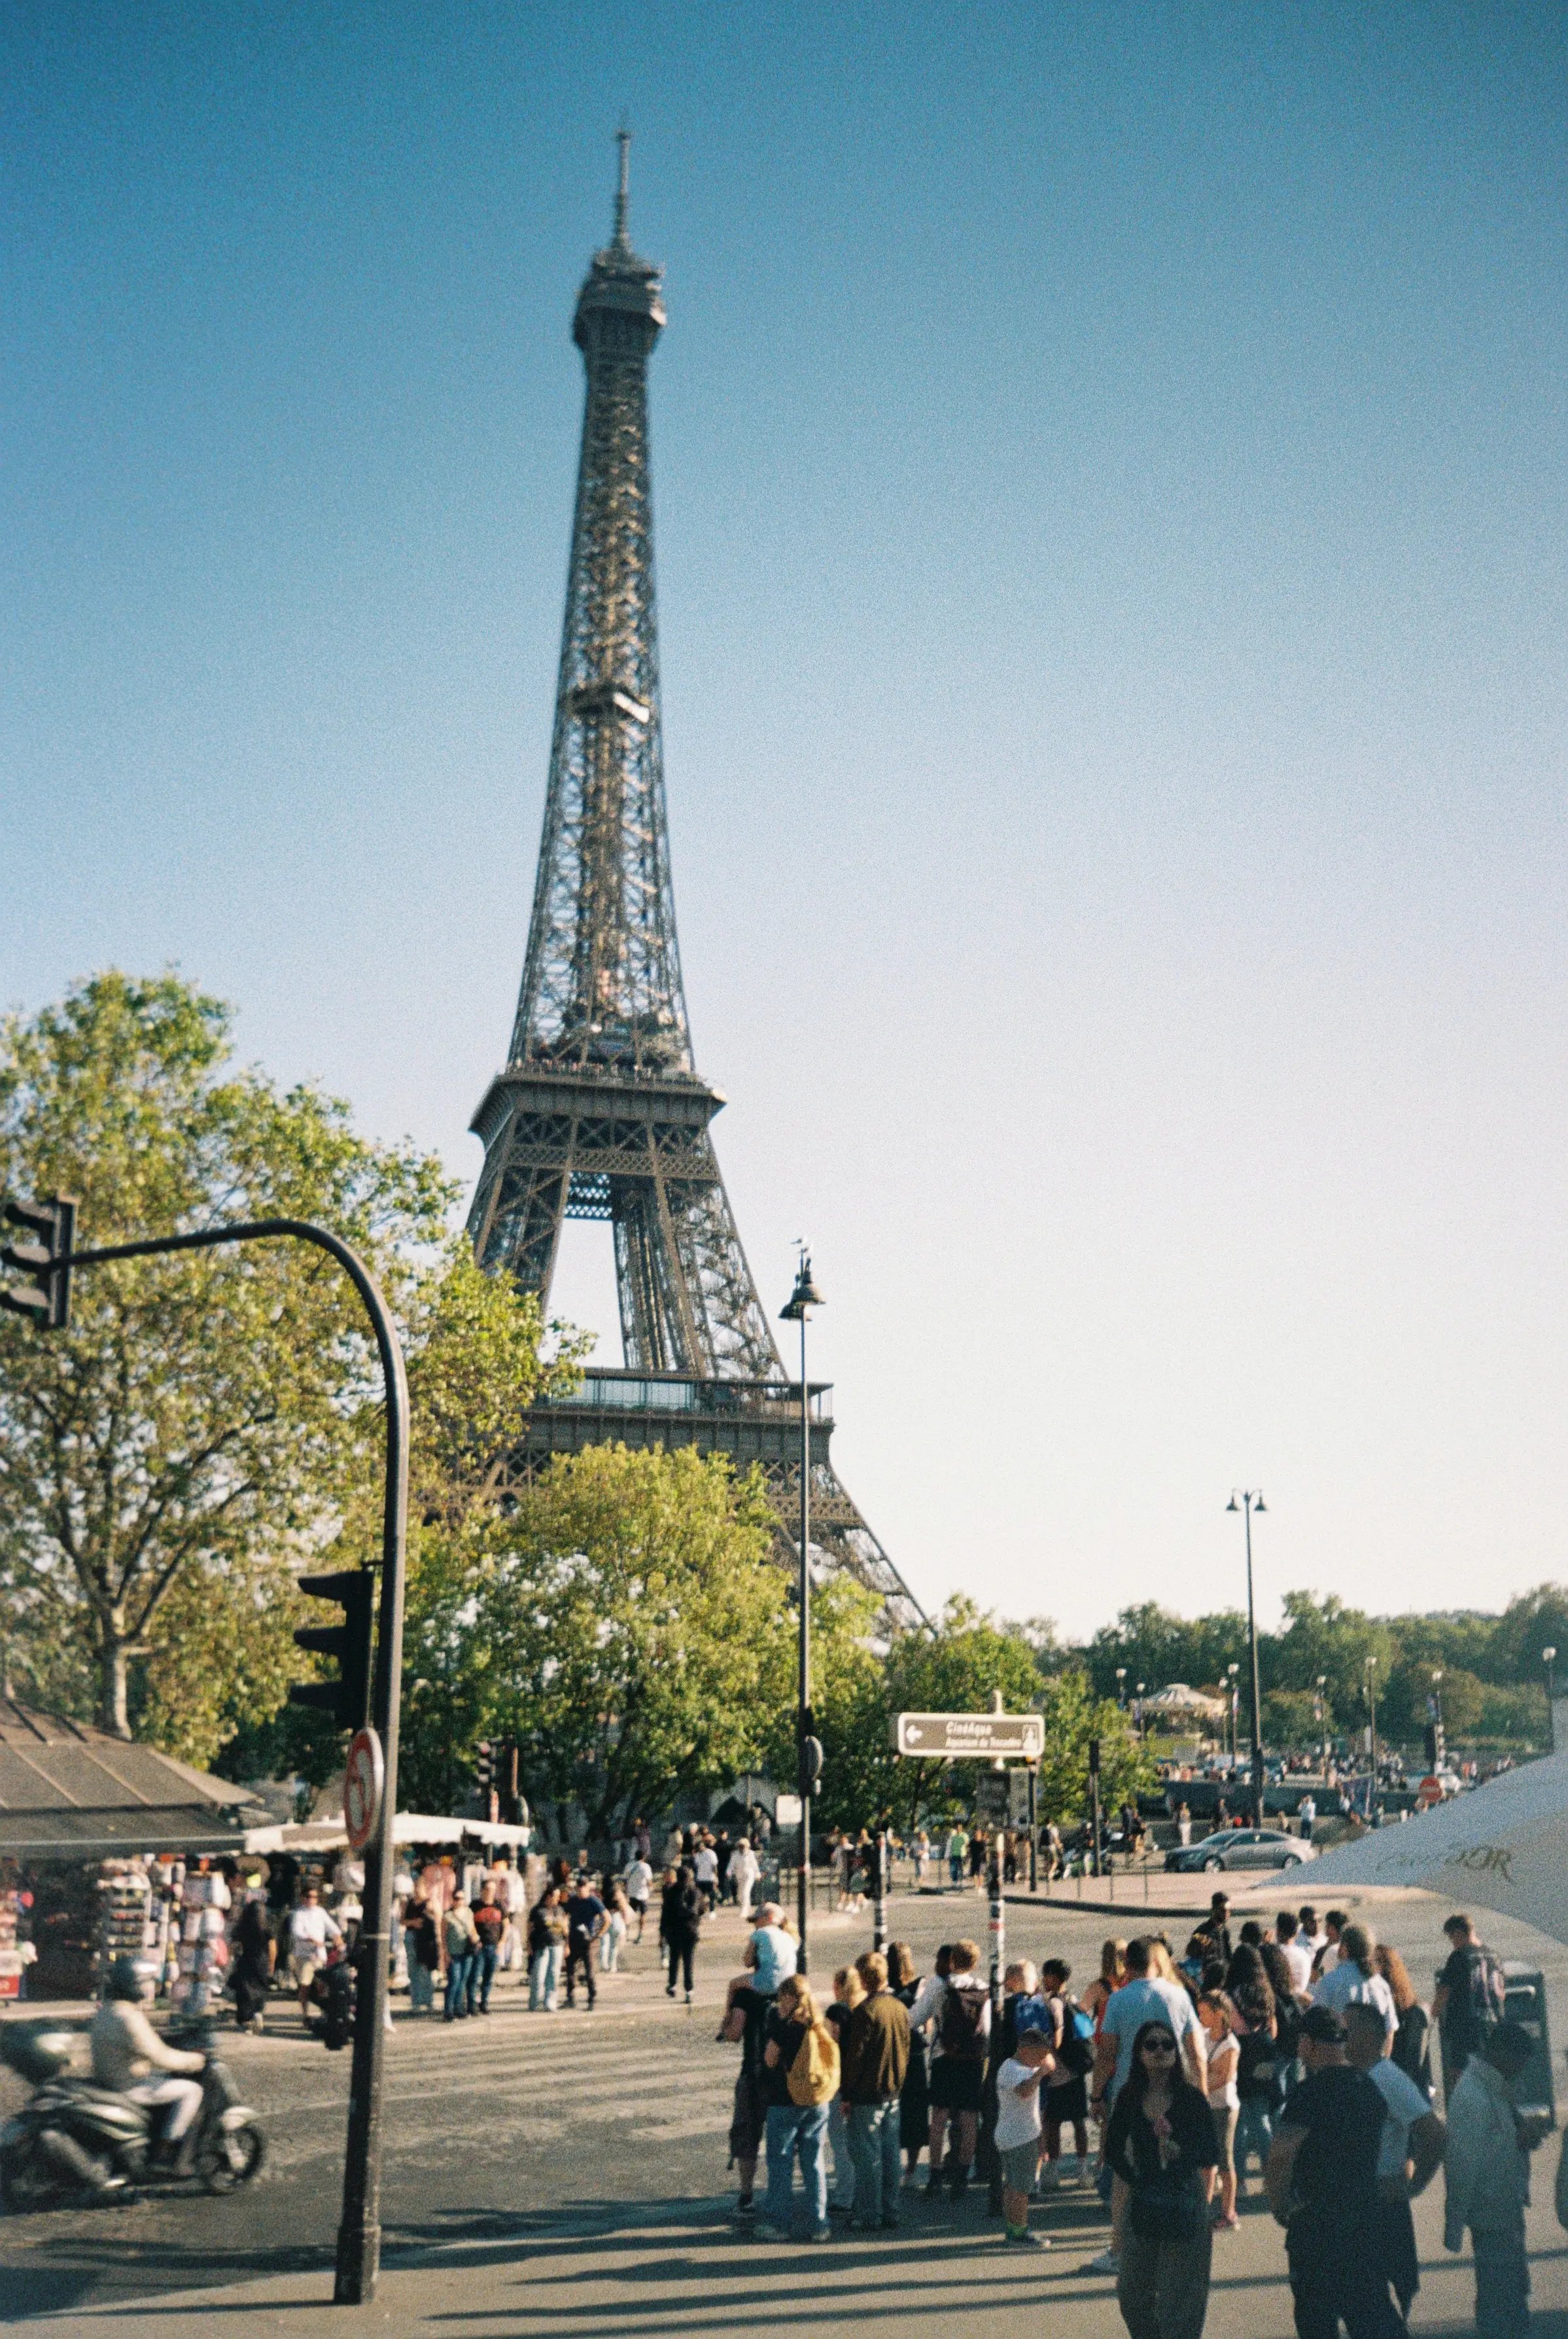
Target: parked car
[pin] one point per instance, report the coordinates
(1241, 1848)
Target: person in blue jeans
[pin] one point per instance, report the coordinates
(461, 1943)
(794, 2131)
(490, 1923)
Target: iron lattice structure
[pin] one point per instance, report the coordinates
(600, 1113)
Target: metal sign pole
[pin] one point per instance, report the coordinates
(1033, 1828)
(998, 1926)
(878, 1906)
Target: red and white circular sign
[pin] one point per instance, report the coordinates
(364, 1781)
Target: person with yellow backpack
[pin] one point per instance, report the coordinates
(799, 2079)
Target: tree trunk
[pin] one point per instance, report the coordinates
(114, 1668)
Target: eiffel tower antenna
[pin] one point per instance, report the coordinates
(623, 193)
(600, 1113)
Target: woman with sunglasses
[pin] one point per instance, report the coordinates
(1161, 2153)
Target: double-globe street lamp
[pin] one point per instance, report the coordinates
(802, 1299)
(1248, 1500)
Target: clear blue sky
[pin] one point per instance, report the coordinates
(1109, 470)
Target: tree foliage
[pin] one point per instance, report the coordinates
(166, 1461)
(619, 1622)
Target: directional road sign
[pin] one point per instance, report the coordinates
(973, 1737)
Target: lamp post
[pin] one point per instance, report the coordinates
(1549, 1659)
(1372, 1736)
(802, 1299)
(1121, 1686)
(1248, 1500)
(1231, 1672)
(1138, 1715)
(1323, 1719)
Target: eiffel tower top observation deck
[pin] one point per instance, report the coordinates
(600, 1113)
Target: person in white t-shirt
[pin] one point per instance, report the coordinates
(310, 1930)
(1298, 1956)
(639, 1882)
(1408, 2154)
(1018, 2131)
(706, 1865)
(745, 1869)
(1355, 1980)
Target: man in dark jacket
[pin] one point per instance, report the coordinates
(874, 2059)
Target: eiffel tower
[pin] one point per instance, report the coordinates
(600, 1113)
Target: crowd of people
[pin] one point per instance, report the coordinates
(1300, 2046)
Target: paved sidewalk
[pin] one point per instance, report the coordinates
(654, 2277)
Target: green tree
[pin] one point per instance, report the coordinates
(167, 1461)
(478, 1355)
(620, 1621)
(1326, 1637)
(1074, 1716)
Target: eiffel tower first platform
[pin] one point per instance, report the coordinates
(600, 1113)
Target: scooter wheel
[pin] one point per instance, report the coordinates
(27, 2182)
(231, 2159)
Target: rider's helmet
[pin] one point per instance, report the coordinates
(123, 1980)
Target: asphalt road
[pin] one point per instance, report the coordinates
(504, 2132)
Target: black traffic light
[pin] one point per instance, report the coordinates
(346, 1699)
(47, 1296)
(485, 1766)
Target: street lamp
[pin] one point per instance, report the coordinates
(1372, 1734)
(1549, 1659)
(1121, 1686)
(1323, 1719)
(802, 1299)
(1247, 1500)
(1139, 1715)
(1235, 1714)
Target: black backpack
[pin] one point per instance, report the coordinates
(1488, 1993)
(962, 2012)
(1076, 2052)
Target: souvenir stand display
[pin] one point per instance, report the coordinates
(132, 1923)
(17, 1951)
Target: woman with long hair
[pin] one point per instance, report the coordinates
(1161, 2149)
(1106, 1981)
(796, 2130)
(1217, 2015)
(1259, 2071)
(681, 1924)
(1412, 2049)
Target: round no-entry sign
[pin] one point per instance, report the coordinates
(363, 1784)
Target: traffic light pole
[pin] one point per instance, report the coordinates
(359, 2231)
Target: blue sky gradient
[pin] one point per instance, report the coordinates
(1109, 470)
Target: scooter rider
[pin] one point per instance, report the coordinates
(126, 2050)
